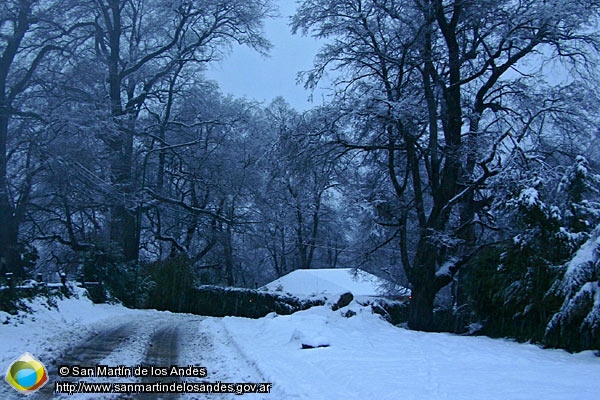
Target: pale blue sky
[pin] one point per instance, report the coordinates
(245, 73)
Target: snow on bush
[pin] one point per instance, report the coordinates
(576, 326)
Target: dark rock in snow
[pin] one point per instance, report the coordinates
(308, 346)
(343, 301)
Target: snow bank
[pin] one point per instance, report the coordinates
(48, 331)
(370, 359)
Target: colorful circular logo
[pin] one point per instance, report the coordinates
(26, 374)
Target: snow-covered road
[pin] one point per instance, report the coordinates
(151, 338)
(90, 335)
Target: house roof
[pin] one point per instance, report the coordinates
(329, 281)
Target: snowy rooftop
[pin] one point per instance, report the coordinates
(329, 281)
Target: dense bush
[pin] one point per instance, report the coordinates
(166, 284)
(533, 285)
(220, 301)
(14, 298)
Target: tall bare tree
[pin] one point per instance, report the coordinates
(35, 36)
(432, 88)
(143, 43)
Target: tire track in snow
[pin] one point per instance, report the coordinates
(205, 343)
(159, 339)
(162, 351)
(87, 353)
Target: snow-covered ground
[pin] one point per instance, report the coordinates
(370, 359)
(366, 358)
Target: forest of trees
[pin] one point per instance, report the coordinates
(457, 156)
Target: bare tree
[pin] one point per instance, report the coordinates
(429, 87)
(142, 44)
(35, 38)
(301, 178)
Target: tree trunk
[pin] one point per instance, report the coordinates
(125, 232)
(124, 219)
(423, 289)
(228, 255)
(420, 317)
(9, 218)
(9, 238)
(124, 223)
